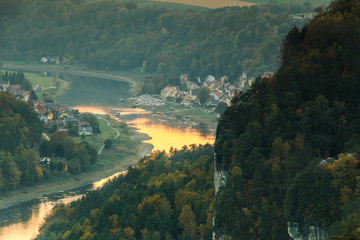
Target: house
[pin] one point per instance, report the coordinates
(267, 75)
(83, 124)
(43, 60)
(65, 114)
(191, 85)
(215, 95)
(51, 106)
(26, 96)
(194, 91)
(170, 91)
(72, 121)
(39, 108)
(43, 118)
(13, 89)
(50, 116)
(62, 129)
(87, 131)
(45, 160)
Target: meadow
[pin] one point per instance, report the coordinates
(210, 4)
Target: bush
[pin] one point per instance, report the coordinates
(108, 143)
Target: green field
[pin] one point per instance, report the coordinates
(144, 3)
(178, 6)
(314, 3)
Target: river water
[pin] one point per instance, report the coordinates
(23, 220)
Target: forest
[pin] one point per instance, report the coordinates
(21, 145)
(291, 144)
(20, 134)
(166, 196)
(112, 35)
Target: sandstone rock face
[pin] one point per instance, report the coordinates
(306, 231)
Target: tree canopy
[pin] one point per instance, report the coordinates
(112, 35)
(278, 140)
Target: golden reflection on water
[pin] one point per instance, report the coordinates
(91, 109)
(101, 182)
(163, 137)
(131, 111)
(30, 229)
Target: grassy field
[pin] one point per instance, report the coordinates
(210, 3)
(197, 114)
(204, 5)
(134, 77)
(314, 3)
(170, 5)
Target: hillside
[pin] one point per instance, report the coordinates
(163, 197)
(290, 146)
(114, 35)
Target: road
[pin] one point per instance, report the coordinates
(71, 72)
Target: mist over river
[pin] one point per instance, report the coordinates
(22, 220)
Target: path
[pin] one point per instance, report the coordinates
(72, 72)
(108, 124)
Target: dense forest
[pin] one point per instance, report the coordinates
(21, 145)
(111, 35)
(291, 145)
(20, 134)
(166, 196)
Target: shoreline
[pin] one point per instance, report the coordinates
(86, 73)
(73, 181)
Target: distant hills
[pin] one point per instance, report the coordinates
(117, 36)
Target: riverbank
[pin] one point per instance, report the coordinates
(134, 77)
(109, 162)
(174, 114)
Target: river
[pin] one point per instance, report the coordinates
(23, 220)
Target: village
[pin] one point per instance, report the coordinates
(54, 116)
(218, 92)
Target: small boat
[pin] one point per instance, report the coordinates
(117, 114)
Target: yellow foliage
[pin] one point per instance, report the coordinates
(344, 170)
(95, 212)
(299, 112)
(247, 212)
(191, 184)
(161, 205)
(38, 170)
(129, 233)
(299, 142)
(66, 235)
(114, 221)
(87, 235)
(274, 107)
(236, 171)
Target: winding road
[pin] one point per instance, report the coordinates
(71, 72)
(108, 124)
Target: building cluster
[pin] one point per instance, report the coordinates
(219, 90)
(60, 118)
(54, 60)
(55, 116)
(16, 91)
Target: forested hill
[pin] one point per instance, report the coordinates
(291, 144)
(163, 197)
(20, 130)
(110, 35)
